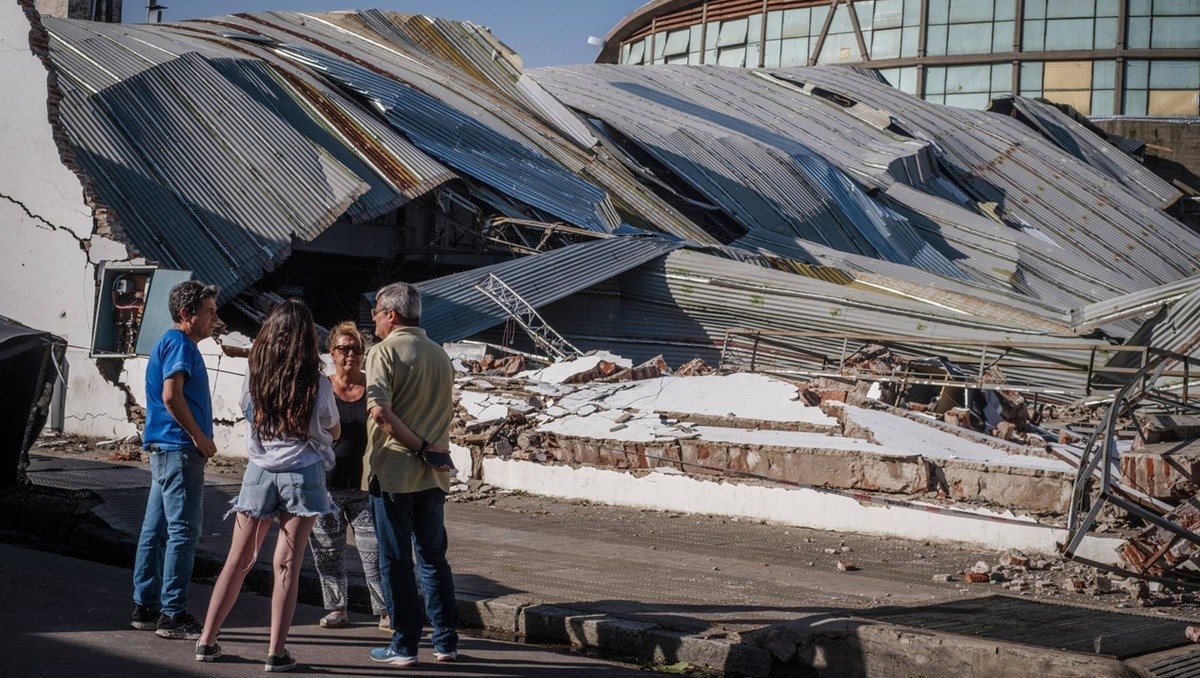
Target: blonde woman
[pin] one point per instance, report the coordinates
(352, 505)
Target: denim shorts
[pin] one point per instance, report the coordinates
(265, 494)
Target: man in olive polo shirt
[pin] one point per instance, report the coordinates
(410, 404)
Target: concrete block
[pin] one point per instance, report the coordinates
(495, 614)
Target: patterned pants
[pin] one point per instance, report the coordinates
(328, 544)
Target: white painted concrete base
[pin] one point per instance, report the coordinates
(789, 506)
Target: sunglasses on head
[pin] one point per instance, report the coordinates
(347, 350)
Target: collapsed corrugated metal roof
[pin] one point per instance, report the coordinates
(1103, 240)
(808, 198)
(453, 309)
(148, 144)
(997, 201)
(1090, 148)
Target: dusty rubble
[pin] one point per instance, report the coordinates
(1048, 576)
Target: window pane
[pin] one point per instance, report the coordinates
(794, 52)
(1107, 7)
(892, 75)
(885, 44)
(1106, 33)
(838, 49)
(1104, 74)
(1002, 37)
(1063, 34)
(693, 58)
(818, 19)
(912, 12)
(865, 11)
(1034, 36)
(1173, 103)
(771, 53)
(1006, 10)
(935, 41)
(841, 20)
(732, 56)
(1035, 9)
(912, 38)
(888, 14)
(1082, 101)
(969, 38)
(1139, 8)
(961, 79)
(968, 11)
(939, 11)
(1136, 103)
(1001, 78)
(733, 32)
(1067, 75)
(936, 99)
(974, 101)
(774, 25)
(660, 46)
(1175, 7)
(1174, 75)
(908, 80)
(637, 52)
(795, 23)
(1102, 102)
(1139, 32)
(1137, 74)
(935, 80)
(1059, 9)
(1031, 77)
(1176, 31)
(677, 42)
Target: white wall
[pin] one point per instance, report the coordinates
(50, 251)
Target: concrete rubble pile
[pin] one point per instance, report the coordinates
(602, 411)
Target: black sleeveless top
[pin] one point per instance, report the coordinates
(350, 448)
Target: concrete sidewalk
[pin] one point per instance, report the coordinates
(738, 597)
(62, 617)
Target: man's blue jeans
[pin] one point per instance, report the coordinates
(166, 548)
(402, 521)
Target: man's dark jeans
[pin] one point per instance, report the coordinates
(402, 521)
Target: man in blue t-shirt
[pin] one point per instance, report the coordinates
(178, 436)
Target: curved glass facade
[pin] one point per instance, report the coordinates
(1104, 57)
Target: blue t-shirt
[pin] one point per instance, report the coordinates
(175, 353)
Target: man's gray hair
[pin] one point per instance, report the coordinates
(402, 298)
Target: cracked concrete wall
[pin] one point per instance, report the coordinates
(54, 246)
(48, 263)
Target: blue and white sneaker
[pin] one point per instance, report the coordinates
(386, 655)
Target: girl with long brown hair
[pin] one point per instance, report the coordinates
(293, 420)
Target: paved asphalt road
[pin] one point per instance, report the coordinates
(62, 616)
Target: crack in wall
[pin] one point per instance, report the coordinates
(37, 217)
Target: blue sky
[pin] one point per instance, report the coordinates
(543, 32)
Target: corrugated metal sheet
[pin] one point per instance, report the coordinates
(244, 183)
(453, 309)
(1092, 149)
(490, 100)
(762, 177)
(1141, 303)
(1104, 239)
(470, 147)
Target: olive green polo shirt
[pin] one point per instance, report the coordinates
(413, 376)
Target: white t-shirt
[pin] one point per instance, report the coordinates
(290, 454)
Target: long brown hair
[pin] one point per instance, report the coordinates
(285, 366)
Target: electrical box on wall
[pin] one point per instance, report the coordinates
(131, 309)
